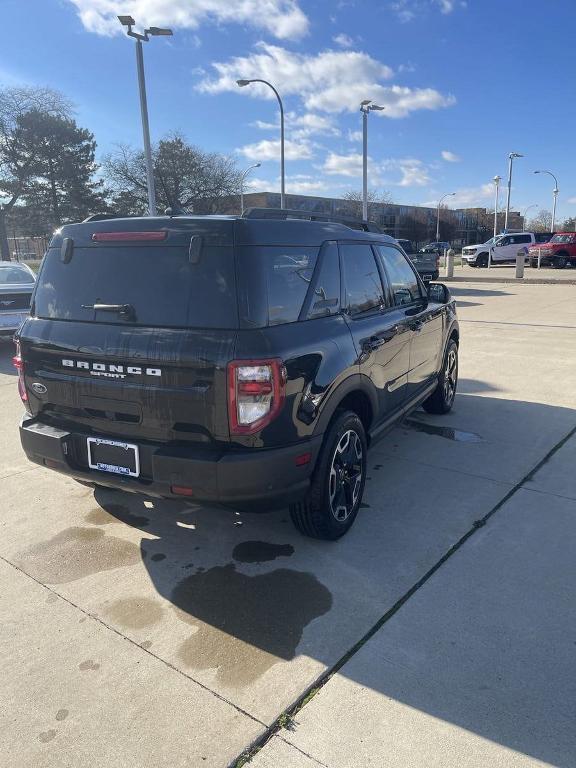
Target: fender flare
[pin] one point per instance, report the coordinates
(355, 383)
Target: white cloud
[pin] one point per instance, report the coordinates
(283, 19)
(301, 126)
(408, 67)
(450, 157)
(298, 184)
(408, 10)
(472, 196)
(354, 136)
(270, 150)
(343, 165)
(332, 81)
(571, 200)
(398, 172)
(343, 40)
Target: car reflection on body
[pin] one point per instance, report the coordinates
(16, 286)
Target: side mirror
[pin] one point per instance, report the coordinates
(439, 293)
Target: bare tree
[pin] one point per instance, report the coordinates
(542, 222)
(20, 147)
(376, 197)
(185, 176)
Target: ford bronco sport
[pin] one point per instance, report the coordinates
(241, 361)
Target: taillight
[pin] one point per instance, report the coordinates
(111, 237)
(19, 365)
(255, 394)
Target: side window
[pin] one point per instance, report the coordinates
(504, 241)
(403, 281)
(364, 290)
(326, 294)
(523, 239)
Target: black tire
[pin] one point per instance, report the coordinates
(340, 476)
(482, 260)
(442, 399)
(559, 261)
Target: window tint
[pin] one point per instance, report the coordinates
(162, 285)
(326, 297)
(517, 239)
(364, 290)
(403, 281)
(289, 273)
(503, 241)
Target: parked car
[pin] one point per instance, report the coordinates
(436, 247)
(503, 248)
(427, 264)
(559, 252)
(16, 286)
(243, 361)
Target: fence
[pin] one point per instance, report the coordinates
(28, 248)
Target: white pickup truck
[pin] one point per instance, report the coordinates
(503, 248)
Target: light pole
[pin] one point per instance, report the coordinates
(555, 194)
(496, 180)
(511, 157)
(534, 205)
(366, 106)
(246, 172)
(448, 194)
(128, 21)
(242, 84)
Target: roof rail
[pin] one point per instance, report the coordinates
(102, 217)
(289, 213)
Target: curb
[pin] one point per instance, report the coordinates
(508, 280)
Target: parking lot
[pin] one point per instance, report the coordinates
(143, 632)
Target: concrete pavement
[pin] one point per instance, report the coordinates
(245, 613)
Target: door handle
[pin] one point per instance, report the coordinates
(375, 342)
(416, 326)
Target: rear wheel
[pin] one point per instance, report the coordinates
(560, 261)
(333, 500)
(442, 399)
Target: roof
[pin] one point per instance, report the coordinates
(218, 231)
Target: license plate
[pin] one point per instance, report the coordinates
(113, 456)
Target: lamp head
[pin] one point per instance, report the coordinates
(242, 83)
(377, 107)
(497, 179)
(126, 21)
(515, 154)
(159, 31)
(257, 165)
(365, 102)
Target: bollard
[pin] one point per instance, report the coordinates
(449, 263)
(539, 256)
(520, 257)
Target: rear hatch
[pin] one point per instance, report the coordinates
(131, 330)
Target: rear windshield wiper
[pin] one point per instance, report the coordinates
(124, 310)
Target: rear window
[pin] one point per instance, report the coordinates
(160, 283)
(15, 275)
(563, 239)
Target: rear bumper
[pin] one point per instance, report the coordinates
(257, 478)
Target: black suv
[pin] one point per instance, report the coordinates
(243, 361)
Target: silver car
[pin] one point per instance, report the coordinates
(16, 286)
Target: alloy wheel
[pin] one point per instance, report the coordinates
(450, 376)
(346, 473)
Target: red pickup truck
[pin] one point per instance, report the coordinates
(558, 252)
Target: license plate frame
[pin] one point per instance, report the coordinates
(125, 470)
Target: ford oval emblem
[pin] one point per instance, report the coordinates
(40, 389)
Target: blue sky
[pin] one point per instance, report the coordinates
(463, 83)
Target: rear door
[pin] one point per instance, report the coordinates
(380, 330)
(157, 370)
(424, 319)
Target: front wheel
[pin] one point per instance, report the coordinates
(333, 499)
(560, 262)
(442, 399)
(482, 260)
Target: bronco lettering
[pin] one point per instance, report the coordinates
(112, 370)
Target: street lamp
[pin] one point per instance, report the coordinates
(534, 205)
(366, 106)
(128, 21)
(496, 180)
(448, 194)
(555, 194)
(511, 157)
(242, 84)
(246, 172)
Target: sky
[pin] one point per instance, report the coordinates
(463, 83)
